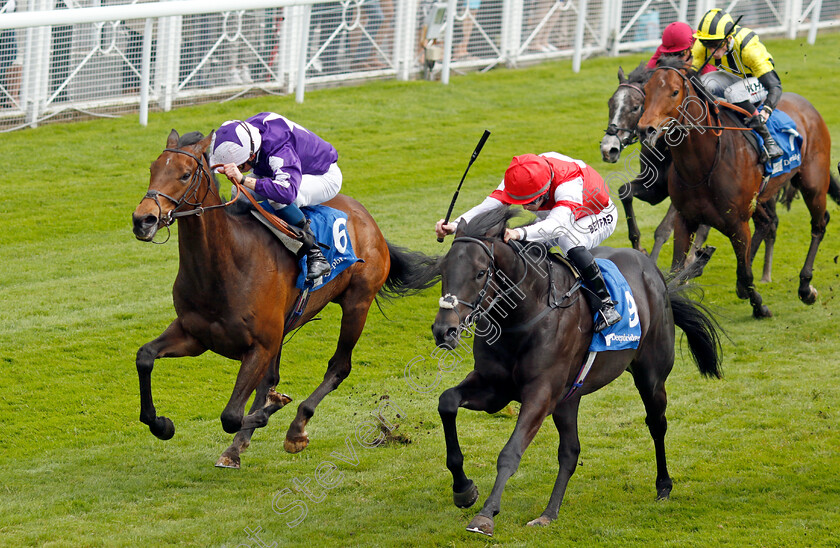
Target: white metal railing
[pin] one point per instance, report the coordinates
(60, 57)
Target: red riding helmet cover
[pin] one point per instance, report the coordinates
(527, 178)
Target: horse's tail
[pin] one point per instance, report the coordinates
(700, 327)
(411, 272)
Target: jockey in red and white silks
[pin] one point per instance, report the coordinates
(576, 209)
(574, 212)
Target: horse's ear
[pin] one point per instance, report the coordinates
(459, 229)
(205, 143)
(172, 140)
(621, 77)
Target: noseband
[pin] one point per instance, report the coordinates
(188, 199)
(613, 129)
(449, 301)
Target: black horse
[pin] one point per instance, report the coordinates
(531, 337)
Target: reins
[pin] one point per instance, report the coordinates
(687, 86)
(450, 301)
(198, 209)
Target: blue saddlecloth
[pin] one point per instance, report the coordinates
(625, 334)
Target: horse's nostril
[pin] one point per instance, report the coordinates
(452, 332)
(614, 151)
(149, 220)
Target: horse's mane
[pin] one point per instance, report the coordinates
(481, 225)
(639, 75)
(192, 138)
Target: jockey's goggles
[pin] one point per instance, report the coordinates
(712, 44)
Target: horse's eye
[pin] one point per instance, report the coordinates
(637, 108)
(676, 92)
(481, 274)
(186, 177)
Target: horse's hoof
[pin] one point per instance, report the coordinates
(296, 445)
(810, 296)
(162, 428)
(466, 498)
(481, 524)
(227, 462)
(541, 521)
(278, 399)
(762, 312)
(663, 494)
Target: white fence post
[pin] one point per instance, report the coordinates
(579, 28)
(815, 20)
(168, 60)
(451, 6)
(303, 33)
(145, 71)
(511, 38)
(794, 17)
(405, 37)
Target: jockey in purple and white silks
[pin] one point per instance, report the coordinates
(290, 166)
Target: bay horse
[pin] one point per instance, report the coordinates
(626, 105)
(651, 184)
(235, 289)
(543, 328)
(716, 178)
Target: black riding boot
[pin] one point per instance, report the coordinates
(585, 263)
(316, 263)
(770, 145)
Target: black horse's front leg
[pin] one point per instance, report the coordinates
(626, 193)
(174, 342)
(472, 393)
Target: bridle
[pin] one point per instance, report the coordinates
(613, 129)
(189, 198)
(450, 301)
(679, 122)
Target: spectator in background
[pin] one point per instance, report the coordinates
(196, 43)
(461, 50)
(326, 20)
(366, 58)
(541, 42)
(62, 37)
(134, 51)
(8, 54)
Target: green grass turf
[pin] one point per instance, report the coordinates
(754, 457)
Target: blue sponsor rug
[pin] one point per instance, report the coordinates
(783, 130)
(625, 334)
(330, 228)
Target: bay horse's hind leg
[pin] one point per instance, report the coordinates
(814, 195)
(740, 239)
(566, 420)
(766, 222)
(663, 232)
(354, 313)
(174, 342)
(266, 402)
